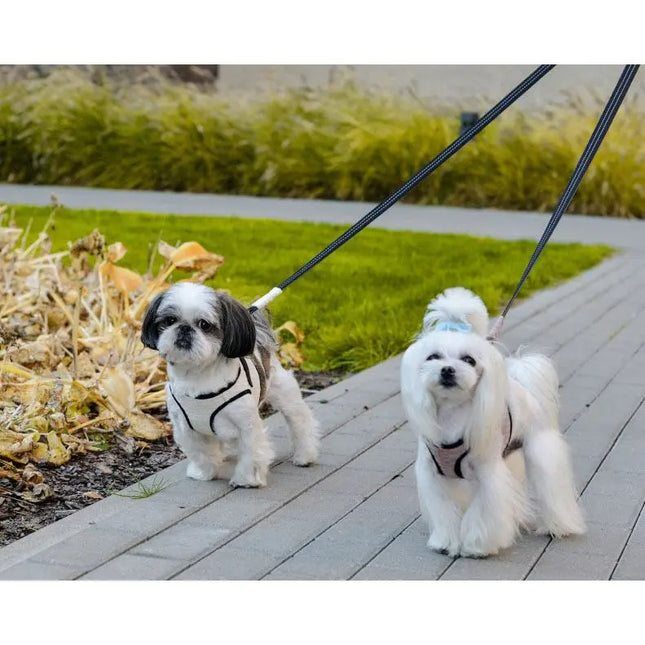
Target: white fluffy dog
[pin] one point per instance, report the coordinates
(222, 364)
(491, 458)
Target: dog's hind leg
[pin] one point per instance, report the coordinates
(284, 394)
(551, 484)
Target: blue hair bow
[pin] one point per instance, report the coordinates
(454, 326)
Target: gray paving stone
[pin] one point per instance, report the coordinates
(511, 564)
(183, 541)
(148, 518)
(406, 558)
(340, 551)
(87, 549)
(129, 566)
(568, 565)
(30, 570)
(242, 507)
(631, 564)
(230, 564)
(554, 326)
(559, 297)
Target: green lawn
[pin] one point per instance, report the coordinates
(361, 305)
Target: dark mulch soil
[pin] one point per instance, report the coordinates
(88, 478)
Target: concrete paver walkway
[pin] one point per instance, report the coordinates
(354, 515)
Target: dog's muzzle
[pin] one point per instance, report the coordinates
(184, 338)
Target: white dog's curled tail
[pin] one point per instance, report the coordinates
(457, 305)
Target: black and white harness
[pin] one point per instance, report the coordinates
(448, 457)
(201, 411)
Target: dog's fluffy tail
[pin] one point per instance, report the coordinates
(537, 374)
(457, 305)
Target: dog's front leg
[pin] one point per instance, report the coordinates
(254, 453)
(438, 507)
(492, 520)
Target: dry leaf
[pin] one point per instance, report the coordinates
(293, 329)
(144, 426)
(115, 252)
(31, 475)
(57, 454)
(192, 256)
(165, 250)
(124, 280)
(39, 493)
(289, 352)
(119, 388)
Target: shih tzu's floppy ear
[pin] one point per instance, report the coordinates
(150, 328)
(238, 328)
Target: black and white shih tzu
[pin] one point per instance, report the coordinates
(222, 364)
(490, 456)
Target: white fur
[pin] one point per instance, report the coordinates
(533, 486)
(203, 368)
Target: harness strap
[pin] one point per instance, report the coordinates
(221, 407)
(448, 457)
(201, 410)
(211, 395)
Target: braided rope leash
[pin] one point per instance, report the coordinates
(597, 136)
(378, 210)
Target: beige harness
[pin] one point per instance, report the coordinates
(200, 411)
(448, 458)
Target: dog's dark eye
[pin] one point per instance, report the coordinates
(204, 325)
(168, 321)
(433, 357)
(469, 359)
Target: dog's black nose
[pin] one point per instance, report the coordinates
(447, 377)
(184, 338)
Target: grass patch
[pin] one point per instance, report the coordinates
(361, 305)
(143, 490)
(337, 142)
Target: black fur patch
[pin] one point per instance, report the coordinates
(150, 327)
(238, 328)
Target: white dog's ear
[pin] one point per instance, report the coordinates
(150, 327)
(457, 305)
(489, 404)
(238, 328)
(419, 406)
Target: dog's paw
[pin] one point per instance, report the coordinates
(255, 479)
(305, 457)
(443, 543)
(470, 551)
(560, 529)
(203, 472)
(477, 547)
